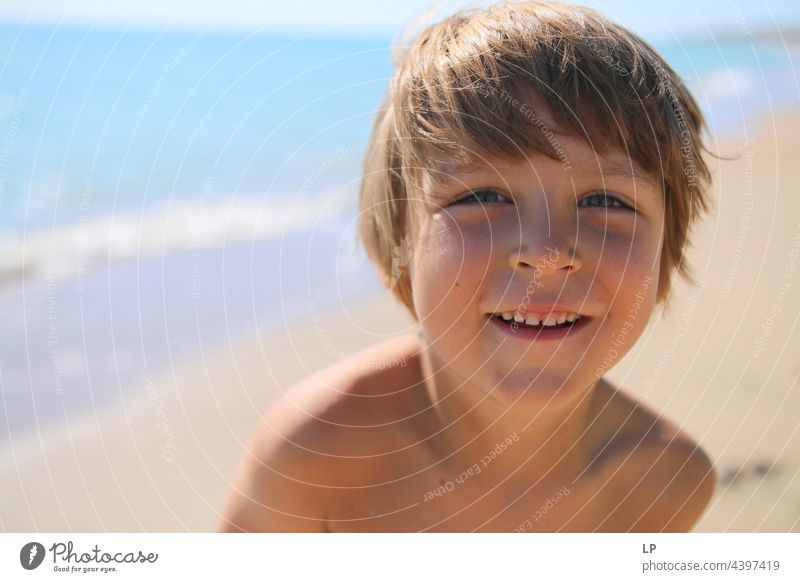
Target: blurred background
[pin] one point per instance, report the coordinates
(178, 188)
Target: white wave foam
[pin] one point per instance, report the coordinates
(170, 227)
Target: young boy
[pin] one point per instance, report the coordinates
(527, 194)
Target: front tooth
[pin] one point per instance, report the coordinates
(571, 317)
(562, 317)
(549, 321)
(532, 319)
(508, 316)
(518, 318)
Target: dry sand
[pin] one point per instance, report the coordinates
(720, 365)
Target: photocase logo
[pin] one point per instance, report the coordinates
(31, 555)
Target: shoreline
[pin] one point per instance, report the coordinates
(71, 344)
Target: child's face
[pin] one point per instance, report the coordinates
(582, 234)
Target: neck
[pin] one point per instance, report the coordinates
(503, 437)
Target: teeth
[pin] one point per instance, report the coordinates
(531, 319)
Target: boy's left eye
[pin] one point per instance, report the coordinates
(603, 200)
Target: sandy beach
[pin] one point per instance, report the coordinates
(722, 364)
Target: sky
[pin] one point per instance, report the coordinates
(653, 19)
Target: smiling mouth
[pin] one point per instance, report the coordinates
(532, 321)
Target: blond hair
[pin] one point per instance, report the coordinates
(451, 94)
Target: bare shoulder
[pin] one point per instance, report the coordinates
(278, 488)
(664, 479)
(327, 435)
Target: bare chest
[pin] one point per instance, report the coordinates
(479, 502)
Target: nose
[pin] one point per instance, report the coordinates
(546, 245)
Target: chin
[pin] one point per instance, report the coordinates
(540, 387)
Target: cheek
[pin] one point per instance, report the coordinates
(451, 261)
(629, 273)
(629, 315)
(625, 253)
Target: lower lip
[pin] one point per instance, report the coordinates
(522, 331)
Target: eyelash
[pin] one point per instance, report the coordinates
(615, 202)
(469, 198)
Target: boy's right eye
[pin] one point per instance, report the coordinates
(480, 197)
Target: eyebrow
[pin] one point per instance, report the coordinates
(627, 170)
(445, 170)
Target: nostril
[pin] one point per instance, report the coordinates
(546, 257)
